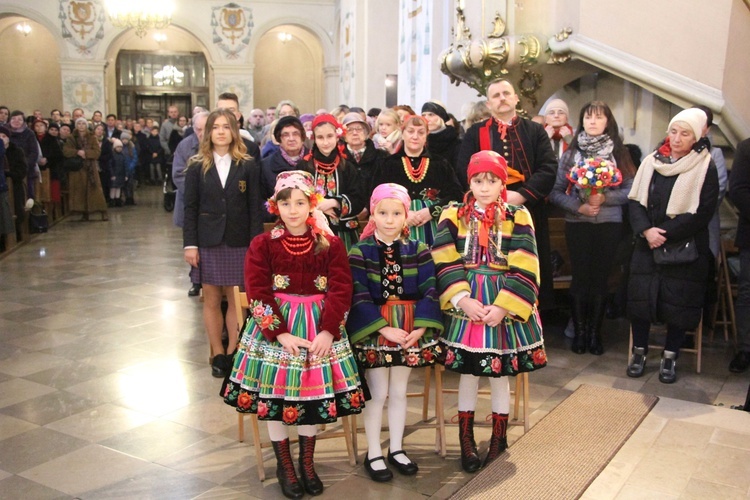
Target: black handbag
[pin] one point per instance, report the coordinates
(681, 252)
(73, 164)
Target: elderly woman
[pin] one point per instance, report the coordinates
(671, 203)
(86, 195)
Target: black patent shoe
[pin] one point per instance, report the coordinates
(740, 363)
(221, 365)
(379, 476)
(667, 369)
(195, 290)
(404, 469)
(579, 344)
(637, 362)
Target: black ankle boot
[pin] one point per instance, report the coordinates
(499, 438)
(311, 481)
(578, 313)
(469, 457)
(290, 485)
(596, 317)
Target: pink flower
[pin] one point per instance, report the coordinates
(450, 357)
(496, 365)
(262, 409)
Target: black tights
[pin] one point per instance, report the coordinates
(641, 328)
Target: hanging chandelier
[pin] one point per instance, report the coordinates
(141, 15)
(168, 76)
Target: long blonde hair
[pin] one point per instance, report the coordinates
(237, 148)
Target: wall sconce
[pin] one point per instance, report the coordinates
(24, 28)
(160, 37)
(285, 37)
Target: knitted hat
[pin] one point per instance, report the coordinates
(116, 143)
(307, 117)
(54, 125)
(558, 104)
(694, 117)
(436, 108)
(288, 121)
(125, 135)
(356, 118)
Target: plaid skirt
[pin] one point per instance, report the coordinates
(296, 390)
(220, 265)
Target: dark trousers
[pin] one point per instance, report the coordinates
(742, 306)
(641, 329)
(592, 249)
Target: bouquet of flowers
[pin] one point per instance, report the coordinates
(592, 175)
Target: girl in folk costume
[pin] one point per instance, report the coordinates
(335, 179)
(294, 364)
(488, 278)
(395, 317)
(430, 181)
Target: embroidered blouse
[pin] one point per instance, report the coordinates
(278, 262)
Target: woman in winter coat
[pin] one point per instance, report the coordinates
(671, 203)
(85, 187)
(593, 223)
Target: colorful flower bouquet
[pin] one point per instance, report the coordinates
(593, 175)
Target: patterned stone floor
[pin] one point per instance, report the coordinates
(105, 391)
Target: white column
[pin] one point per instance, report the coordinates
(331, 87)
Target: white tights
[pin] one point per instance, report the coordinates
(279, 432)
(391, 383)
(468, 385)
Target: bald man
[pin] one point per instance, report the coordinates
(255, 122)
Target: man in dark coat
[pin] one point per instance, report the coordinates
(532, 167)
(739, 193)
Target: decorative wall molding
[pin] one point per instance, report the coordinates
(231, 26)
(82, 24)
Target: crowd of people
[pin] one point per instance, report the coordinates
(403, 239)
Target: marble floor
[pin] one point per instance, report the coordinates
(105, 391)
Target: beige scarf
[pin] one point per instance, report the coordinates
(691, 171)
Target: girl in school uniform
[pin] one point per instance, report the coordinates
(294, 364)
(394, 321)
(488, 277)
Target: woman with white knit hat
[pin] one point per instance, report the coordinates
(671, 203)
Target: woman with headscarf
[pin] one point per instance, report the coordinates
(84, 185)
(671, 203)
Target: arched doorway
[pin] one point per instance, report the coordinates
(21, 87)
(144, 76)
(288, 68)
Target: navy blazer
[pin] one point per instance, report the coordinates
(213, 215)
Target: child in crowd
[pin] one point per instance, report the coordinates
(336, 179)
(131, 155)
(394, 318)
(294, 364)
(388, 126)
(155, 154)
(118, 171)
(488, 277)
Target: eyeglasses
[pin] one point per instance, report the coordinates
(355, 129)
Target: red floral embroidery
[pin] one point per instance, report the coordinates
(356, 400)
(243, 401)
(266, 321)
(290, 414)
(540, 357)
(262, 409)
(449, 357)
(495, 365)
(514, 364)
(427, 355)
(371, 356)
(412, 359)
(332, 410)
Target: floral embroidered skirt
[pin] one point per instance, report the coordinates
(426, 232)
(377, 352)
(477, 349)
(297, 390)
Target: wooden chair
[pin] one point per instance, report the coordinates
(725, 296)
(241, 303)
(521, 391)
(697, 349)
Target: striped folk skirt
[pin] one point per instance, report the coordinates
(377, 352)
(426, 232)
(296, 390)
(477, 349)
